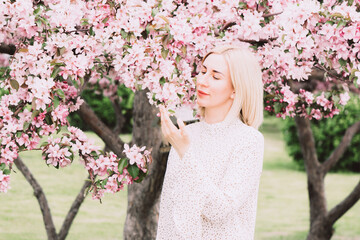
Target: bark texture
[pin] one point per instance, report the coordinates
(322, 220)
(143, 199)
(8, 49)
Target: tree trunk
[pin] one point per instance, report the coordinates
(44, 206)
(320, 229)
(143, 199)
(40, 196)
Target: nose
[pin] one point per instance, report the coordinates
(202, 80)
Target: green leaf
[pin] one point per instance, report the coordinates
(141, 176)
(133, 170)
(91, 31)
(123, 34)
(81, 81)
(105, 20)
(177, 59)
(242, 4)
(36, 11)
(341, 23)
(44, 144)
(60, 93)
(2, 166)
(48, 120)
(162, 80)
(26, 125)
(352, 74)
(342, 62)
(18, 134)
(56, 101)
(55, 71)
(164, 53)
(35, 113)
(14, 84)
(6, 171)
(122, 164)
(103, 183)
(154, 11)
(84, 21)
(184, 49)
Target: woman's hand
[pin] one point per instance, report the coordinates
(178, 138)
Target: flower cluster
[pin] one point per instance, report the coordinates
(107, 171)
(64, 46)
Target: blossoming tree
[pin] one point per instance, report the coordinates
(308, 51)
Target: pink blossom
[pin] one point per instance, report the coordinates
(344, 98)
(4, 182)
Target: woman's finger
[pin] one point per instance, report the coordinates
(167, 121)
(181, 126)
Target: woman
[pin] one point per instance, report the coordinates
(214, 167)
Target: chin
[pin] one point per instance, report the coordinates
(200, 103)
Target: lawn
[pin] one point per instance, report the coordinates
(283, 211)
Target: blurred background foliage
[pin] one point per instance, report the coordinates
(104, 109)
(328, 133)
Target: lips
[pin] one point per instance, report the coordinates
(202, 93)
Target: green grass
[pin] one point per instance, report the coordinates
(283, 211)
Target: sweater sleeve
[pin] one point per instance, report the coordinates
(240, 181)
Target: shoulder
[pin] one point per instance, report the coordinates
(247, 135)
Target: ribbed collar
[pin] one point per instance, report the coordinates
(219, 127)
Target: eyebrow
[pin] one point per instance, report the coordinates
(215, 71)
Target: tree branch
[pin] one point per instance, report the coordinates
(341, 148)
(231, 23)
(40, 196)
(307, 143)
(260, 41)
(340, 209)
(73, 210)
(271, 14)
(7, 48)
(119, 117)
(110, 138)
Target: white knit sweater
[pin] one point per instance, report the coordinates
(211, 193)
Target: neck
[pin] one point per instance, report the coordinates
(215, 115)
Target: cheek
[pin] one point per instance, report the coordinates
(223, 88)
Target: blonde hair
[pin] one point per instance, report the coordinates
(246, 78)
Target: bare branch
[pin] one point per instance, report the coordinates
(110, 138)
(231, 23)
(271, 14)
(260, 41)
(73, 210)
(340, 209)
(341, 148)
(8, 49)
(40, 196)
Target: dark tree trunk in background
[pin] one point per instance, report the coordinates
(143, 199)
(44, 206)
(322, 220)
